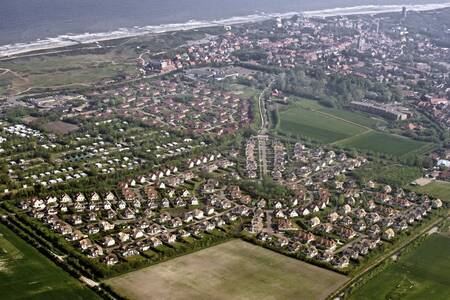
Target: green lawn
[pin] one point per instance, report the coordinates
(437, 189)
(307, 118)
(317, 125)
(27, 274)
(383, 143)
(423, 273)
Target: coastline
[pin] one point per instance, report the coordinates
(61, 41)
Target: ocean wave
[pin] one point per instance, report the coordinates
(87, 37)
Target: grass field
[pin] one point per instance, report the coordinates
(423, 273)
(317, 125)
(383, 143)
(438, 189)
(233, 270)
(344, 128)
(27, 274)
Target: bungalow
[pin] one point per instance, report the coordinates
(95, 251)
(389, 234)
(198, 214)
(65, 199)
(209, 210)
(154, 229)
(128, 214)
(85, 244)
(169, 238)
(123, 237)
(111, 259)
(164, 217)
(311, 251)
(282, 241)
(154, 242)
(106, 226)
(109, 196)
(137, 233)
(286, 225)
(314, 222)
(108, 241)
(79, 197)
(326, 244)
(193, 201)
(341, 262)
(176, 222)
(305, 236)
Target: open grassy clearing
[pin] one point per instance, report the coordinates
(383, 143)
(438, 189)
(352, 116)
(344, 128)
(233, 270)
(47, 71)
(27, 274)
(423, 273)
(316, 125)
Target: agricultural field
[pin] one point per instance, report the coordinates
(25, 273)
(423, 273)
(384, 143)
(59, 127)
(438, 189)
(233, 270)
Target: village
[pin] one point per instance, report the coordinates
(252, 134)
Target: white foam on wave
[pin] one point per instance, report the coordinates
(87, 37)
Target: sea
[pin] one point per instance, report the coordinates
(39, 24)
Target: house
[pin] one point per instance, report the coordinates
(333, 217)
(169, 238)
(154, 242)
(346, 209)
(137, 233)
(326, 244)
(389, 234)
(286, 225)
(198, 214)
(111, 259)
(305, 236)
(123, 237)
(176, 222)
(193, 201)
(94, 197)
(209, 210)
(154, 229)
(341, 262)
(106, 226)
(109, 196)
(311, 251)
(108, 241)
(314, 222)
(95, 251)
(85, 244)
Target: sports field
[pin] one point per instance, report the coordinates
(423, 273)
(233, 270)
(27, 274)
